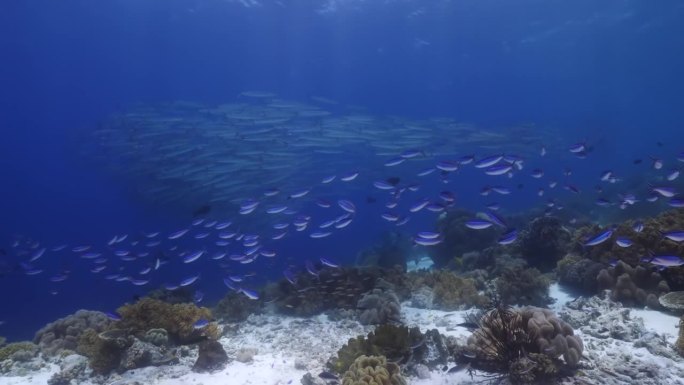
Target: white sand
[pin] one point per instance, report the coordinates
(661, 323)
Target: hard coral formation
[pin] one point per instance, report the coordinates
(450, 292)
(544, 242)
(62, 335)
(104, 350)
(177, 319)
(512, 342)
(458, 238)
(579, 273)
(211, 357)
(339, 288)
(650, 240)
(373, 370)
(19, 351)
(633, 286)
(673, 300)
(519, 286)
(391, 341)
(379, 306)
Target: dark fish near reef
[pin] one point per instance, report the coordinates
(328, 376)
(201, 211)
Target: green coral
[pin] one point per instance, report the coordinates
(15, 347)
(177, 319)
(373, 370)
(386, 340)
(451, 292)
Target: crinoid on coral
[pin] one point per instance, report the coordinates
(61, 336)
(512, 342)
(633, 286)
(373, 370)
(392, 250)
(520, 286)
(543, 242)
(177, 319)
(450, 292)
(458, 238)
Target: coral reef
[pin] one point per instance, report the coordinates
(211, 357)
(373, 370)
(391, 341)
(650, 240)
(579, 273)
(633, 286)
(450, 292)
(62, 335)
(510, 342)
(519, 286)
(104, 350)
(379, 306)
(459, 239)
(183, 294)
(18, 351)
(339, 288)
(141, 354)
(177, 319)
(3, 341)
(158, 337)
(235, 307)
(71, 368)
(543, 242)
(393, 249)
(673, 300)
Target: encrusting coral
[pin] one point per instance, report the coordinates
(373, 370)
(177, 319)
(522, 343)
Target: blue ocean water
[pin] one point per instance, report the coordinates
(604, 73)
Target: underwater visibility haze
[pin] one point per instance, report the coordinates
(341, 191)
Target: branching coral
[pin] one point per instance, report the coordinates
(373, 370)
(511, 342)
(633, 286)
(62, 335)
(177, 319)
(450, 291)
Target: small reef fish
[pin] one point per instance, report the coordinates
(602, 237)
